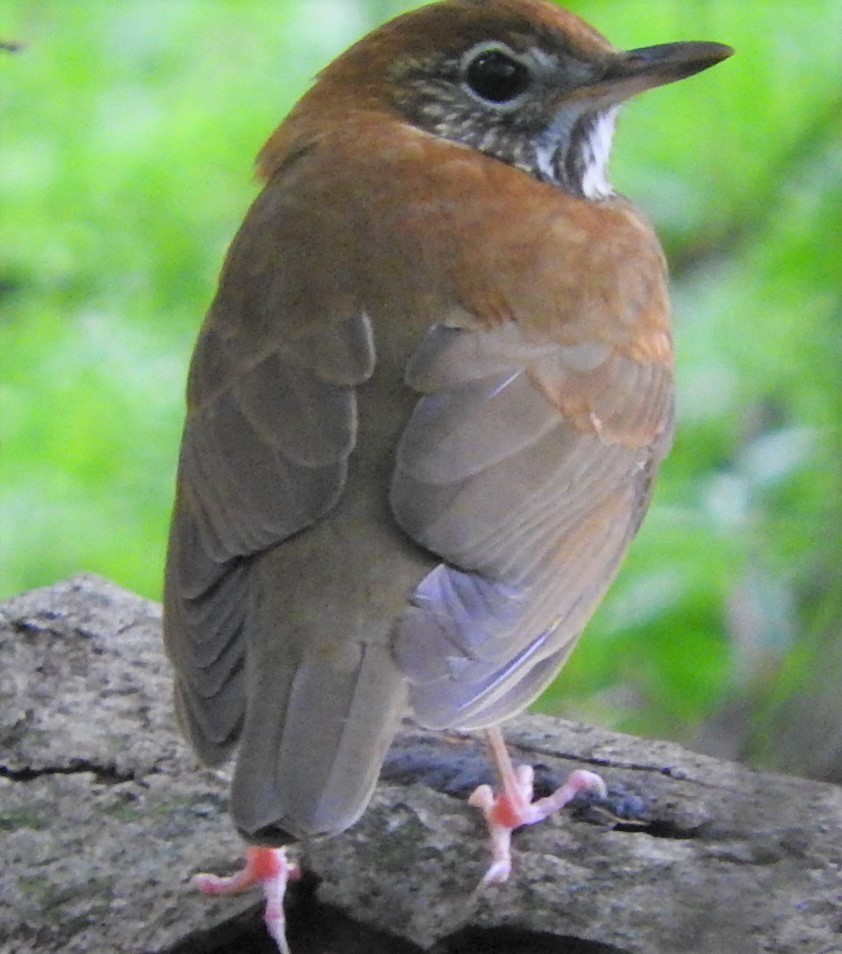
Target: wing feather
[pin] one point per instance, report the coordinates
(529, 480)
(263, 457)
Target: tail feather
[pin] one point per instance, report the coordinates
(313, 742)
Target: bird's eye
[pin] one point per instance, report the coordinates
(497, 77)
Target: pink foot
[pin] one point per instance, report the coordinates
(514, 806)
(271, 870)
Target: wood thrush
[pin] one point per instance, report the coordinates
(425, 414)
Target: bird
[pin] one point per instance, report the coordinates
(425, 415)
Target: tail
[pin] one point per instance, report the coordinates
(315, 734)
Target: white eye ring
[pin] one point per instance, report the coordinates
(495, 75)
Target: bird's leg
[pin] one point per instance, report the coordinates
(271, 870)
(514, 807)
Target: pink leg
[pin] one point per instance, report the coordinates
(271, 870)
(514, 807)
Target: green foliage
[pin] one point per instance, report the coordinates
(128, 135)
(128, 131)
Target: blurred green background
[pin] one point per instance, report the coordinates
(127, 133)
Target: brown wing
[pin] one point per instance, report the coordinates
(276, 644)
(263, 456)
(527, 467)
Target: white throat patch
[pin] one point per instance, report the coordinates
(595, 184)
(595, 150)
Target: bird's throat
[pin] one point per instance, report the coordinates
(574, 152)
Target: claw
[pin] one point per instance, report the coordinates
(268, 868)
(514, 807)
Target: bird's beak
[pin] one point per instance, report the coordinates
(632, 72)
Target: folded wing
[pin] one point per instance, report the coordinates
(527, 467)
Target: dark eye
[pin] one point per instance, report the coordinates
(497, 77)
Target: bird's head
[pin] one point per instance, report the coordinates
(523, 81)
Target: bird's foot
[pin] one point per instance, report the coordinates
(514, 807)
(268, 868)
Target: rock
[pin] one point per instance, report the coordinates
(105, 815)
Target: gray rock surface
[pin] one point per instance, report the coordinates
(105, 815)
